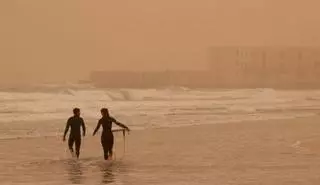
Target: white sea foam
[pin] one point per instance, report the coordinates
(149, 108)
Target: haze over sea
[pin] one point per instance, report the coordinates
(210, 134)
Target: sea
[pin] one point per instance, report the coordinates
(30, 117)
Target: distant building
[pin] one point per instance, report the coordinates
(266, 66)
(231, 67)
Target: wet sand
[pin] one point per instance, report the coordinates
(260, 152)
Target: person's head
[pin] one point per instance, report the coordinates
(76, 111)
(104, 112)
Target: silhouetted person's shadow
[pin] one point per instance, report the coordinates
(75, 172)
(107, 173)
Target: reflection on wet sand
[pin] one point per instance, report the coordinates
(107, 171)
(75, 172)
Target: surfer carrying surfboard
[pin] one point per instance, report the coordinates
(107, 135)
(75, 123)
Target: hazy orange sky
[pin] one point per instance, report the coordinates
(64, 40)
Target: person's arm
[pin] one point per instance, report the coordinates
(120, 124)
(66, 130)
(97, 128)
(83, 127)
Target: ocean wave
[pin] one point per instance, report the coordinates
(57, 104)
(42, 113)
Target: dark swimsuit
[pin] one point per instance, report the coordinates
(75, 133)
(107, 135)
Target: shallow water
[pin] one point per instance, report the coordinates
(273, 152)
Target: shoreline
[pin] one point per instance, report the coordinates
(196, 126)
(92, 126)
(32, 89)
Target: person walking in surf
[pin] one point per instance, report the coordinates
(107, 135)
(75, 123)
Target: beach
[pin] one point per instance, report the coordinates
(213, 92)
(252, 152)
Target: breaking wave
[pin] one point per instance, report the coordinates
(148, 108)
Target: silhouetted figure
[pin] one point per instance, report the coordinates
(75, 123)
(107, 135)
